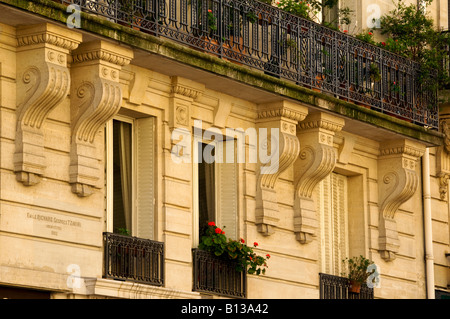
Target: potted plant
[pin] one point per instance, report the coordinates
(374, 71)
(215, 241)
(356, 272)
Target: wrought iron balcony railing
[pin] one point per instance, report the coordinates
(334, 287)
(266, 38)
(133, 259)
(217, 275)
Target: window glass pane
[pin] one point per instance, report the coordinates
(206, 188)
(121, 177)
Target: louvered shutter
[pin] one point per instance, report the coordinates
(323, 202)
(145, 181)
(227, 190)
(339, 211)
(331, 201)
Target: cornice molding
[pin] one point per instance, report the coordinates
(186, 88)
(47, 34)
(283, 109)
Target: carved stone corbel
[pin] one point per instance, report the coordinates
(397, 182)
(317, 159)
(96, 97)
(443, 157)
(43, 81)
(282, 147)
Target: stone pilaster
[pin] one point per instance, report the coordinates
(397, 182)
(176, 184)
(183, 93)
(96, 97)
(280, 119)
(43, 81)
(317, 159)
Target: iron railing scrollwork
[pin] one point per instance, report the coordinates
(280, 44)
(133, 259)
(334, 287)
(217, 275)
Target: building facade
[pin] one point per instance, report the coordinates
(125, 130)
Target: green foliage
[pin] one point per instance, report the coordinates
(212, 22)
(298, 8)
(124, 231)
(411, 33)
(374, 72)
(357, 268)
(215, 241)
(312, 9)
(366, 36)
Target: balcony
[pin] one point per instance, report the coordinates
(285, 46)
(216, 275)
(133, 259)
(334, 287)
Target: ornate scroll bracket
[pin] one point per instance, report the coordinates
(317, 159)
(443, 158)
(397, 182)
(43, 82)
(96, 97)
(282, 147)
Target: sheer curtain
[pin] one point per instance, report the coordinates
(125, 164)
(206, 175)
(122, 176)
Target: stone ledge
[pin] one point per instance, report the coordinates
(190, 57)
(129, 290)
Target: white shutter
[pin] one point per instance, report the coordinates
(145, 181)
(227, 192)
(339, 212)
(332, 208)
(324, 209)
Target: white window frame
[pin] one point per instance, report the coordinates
(109, 173)
(195, 227)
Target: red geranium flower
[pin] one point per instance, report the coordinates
(211, 224)
(218, 230)
(268, 256)
(242, 240)
(255, 244)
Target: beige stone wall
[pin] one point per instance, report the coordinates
(45, 228)
(50, 225)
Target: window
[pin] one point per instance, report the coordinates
(130, 162)
(333, 211)
(215, 187)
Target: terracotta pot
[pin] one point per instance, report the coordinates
(235, 47)
(211, 41)
(354, 287)
(319, 79)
